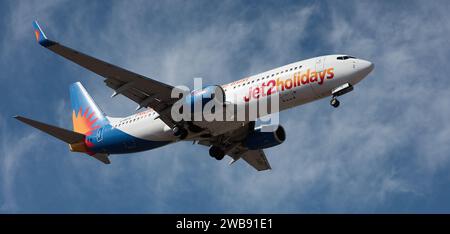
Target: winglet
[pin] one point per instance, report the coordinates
(40, 35)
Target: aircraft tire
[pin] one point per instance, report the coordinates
(334, 103)
(216, 152)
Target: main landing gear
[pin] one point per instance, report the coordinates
(216, 152)
(180, 132)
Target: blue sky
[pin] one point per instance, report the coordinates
(386, 149)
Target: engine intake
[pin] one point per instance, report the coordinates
(201, 97)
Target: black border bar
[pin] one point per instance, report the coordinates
(256, 222)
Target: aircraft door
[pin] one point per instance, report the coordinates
(320, 67)
(320, 64)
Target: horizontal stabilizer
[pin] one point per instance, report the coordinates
(102, 158)
(65, 135)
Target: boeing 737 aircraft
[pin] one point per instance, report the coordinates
(100, 136)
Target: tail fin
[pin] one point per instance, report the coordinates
(86, 115)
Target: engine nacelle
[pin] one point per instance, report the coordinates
(201, 97)
(262, 140)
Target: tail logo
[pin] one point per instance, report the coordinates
(83, 122)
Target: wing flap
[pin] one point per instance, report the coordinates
(257, 159)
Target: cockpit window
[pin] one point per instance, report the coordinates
(345, 57)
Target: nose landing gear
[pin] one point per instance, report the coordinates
(334, 102)
(339, 91)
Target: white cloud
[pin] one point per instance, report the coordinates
(12, 152)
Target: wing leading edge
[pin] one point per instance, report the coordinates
(144, 91)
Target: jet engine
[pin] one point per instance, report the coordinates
(194, 104)
(197, 99)
(259, 139)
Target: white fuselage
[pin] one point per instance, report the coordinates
(296, 84)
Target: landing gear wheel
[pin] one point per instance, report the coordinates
(180, 132)
(176, 131)
(334, 102)
(216, 152)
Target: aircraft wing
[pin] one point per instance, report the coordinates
(144, 91)
(256, 158)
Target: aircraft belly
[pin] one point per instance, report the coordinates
(116, 141)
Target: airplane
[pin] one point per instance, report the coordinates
(98, 135)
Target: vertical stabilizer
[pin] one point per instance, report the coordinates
(86, 115)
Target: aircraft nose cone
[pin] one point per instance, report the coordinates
(366, 66)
